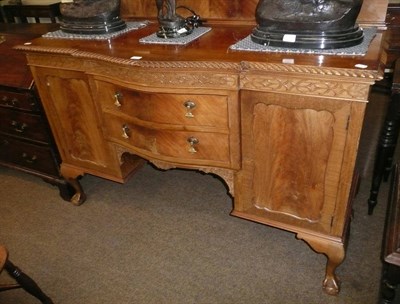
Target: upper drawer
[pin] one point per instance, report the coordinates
(23, 101)
(22, 124)
(165, 108)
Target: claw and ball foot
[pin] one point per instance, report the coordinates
(335, 253)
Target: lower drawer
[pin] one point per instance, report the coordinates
(180, 145)
(29, 156)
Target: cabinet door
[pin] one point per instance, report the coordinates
(73, 118)
(293, 150)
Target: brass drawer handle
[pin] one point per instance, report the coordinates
(189, 105)
(125, 131)
(12, 103)
(118, 99)
(19, 127)
(193, 141)
(29, 160)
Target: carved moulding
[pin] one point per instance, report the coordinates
(302, 80)
(210, 65)
(226, 174)
(305, 86)
(165, 77)
(220, 75)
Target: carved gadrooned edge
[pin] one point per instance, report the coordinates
(306, 86)
(41, 49)
(214, 65)
(311, 70)
(176, 73)
(210, 65)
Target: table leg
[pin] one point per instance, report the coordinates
(390, 280)
(27, 283)
(386, 147)
(335, 253)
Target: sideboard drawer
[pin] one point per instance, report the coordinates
(27, 155)
(177, 109)
(22, 101)
(26, 125)
(178, 144)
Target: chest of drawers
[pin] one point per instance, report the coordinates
(26, 141)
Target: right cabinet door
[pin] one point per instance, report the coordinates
(293, 150)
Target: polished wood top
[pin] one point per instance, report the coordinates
(14, 71)
(211, 47)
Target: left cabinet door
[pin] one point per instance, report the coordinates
(73, 117)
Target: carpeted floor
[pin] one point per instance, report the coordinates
(167, 237)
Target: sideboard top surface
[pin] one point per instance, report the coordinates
(213, 46)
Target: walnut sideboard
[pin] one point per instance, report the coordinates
(282, 130)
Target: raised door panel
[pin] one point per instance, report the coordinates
(292, 157)
(73, 118)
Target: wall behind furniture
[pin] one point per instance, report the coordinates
(372, 13)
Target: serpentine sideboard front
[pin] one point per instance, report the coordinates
(282, 130)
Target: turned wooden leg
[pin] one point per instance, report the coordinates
(383, 160)
(335, 253)
(389, 283)
(26, 283)
(387, 142)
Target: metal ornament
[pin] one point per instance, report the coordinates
(91, 16)
(173, 25)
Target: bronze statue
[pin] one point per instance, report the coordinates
(313, 23)
(166, 9)
(172, 25)
(91, 16)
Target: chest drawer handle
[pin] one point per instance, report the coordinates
(19, 127)
(14, 102)
(28, 159)
(125, 131)
(118, 99)
(189, 105)
(193, 141)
